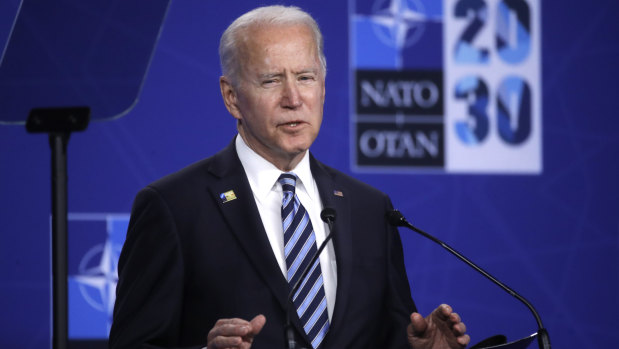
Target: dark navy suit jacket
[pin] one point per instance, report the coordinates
(191, 258)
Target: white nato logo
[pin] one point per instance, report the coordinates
(400, 24)
(98, 276)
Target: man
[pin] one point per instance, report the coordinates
(213, 250)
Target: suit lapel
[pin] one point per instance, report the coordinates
(335, 196)
(240, 212)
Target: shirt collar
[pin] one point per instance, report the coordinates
(262, 175)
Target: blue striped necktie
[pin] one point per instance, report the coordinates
(299, 248)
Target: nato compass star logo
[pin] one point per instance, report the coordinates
(400, 24)
(98, 276)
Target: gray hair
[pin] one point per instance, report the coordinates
(275, 15)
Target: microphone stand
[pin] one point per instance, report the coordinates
(328, 216)
(397, 219)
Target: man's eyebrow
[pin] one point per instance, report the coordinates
(270, 75)
(280, 74)
(308, 70)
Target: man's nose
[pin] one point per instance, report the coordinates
(291, 97)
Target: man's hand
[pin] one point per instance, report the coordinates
(234, 333)
(442, 329)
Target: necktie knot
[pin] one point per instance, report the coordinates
(288, 181)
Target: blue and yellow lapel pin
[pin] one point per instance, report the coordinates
(227, 196)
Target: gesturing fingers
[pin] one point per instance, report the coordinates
(234, 333)
(458, 327)
(443, 328)
(228, 333)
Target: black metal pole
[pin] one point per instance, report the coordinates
(58, 123)
(58, 144)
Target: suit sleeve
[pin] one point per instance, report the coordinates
(149, 293)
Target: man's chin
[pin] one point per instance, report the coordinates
(295, 153)
(296, 147)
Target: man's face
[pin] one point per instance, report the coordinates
(280, 95)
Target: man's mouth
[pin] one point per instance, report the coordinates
(292, 124)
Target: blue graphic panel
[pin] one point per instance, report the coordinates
(95, 245)
(400, 34)
(496, 43)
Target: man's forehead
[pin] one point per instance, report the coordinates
(266, 42)
(254, 31)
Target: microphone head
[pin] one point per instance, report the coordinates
(328, 215)
(396, 218)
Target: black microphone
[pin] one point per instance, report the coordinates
(328, 216)
(396, 218)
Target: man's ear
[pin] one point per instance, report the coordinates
(229, 95)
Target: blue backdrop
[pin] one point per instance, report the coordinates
(554, 237)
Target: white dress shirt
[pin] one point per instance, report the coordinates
(262, 176)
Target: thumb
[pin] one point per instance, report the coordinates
(257, 323)
(418, 325)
